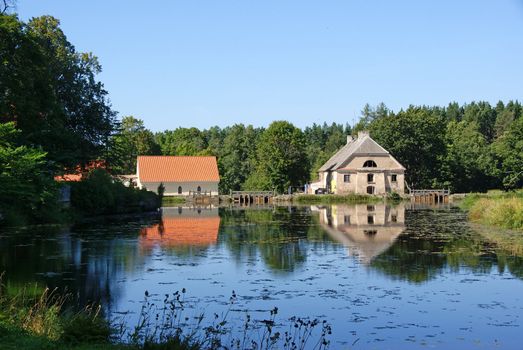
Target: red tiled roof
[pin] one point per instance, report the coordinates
(79, 173)
(177, 169)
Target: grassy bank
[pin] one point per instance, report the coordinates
(172, 201)
(500, 209)
(35, 318)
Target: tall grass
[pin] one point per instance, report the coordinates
(501, 212)
(38, 312)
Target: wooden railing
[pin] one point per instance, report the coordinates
(426, 192)
(252, 193)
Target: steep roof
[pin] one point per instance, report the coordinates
(364, 145)
(177, 169)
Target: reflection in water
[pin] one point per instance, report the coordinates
(290, 257)
(367, 230)
(182, 227)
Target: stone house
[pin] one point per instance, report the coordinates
(362, 166)
(180, 175)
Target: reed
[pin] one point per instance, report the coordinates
(505, 212)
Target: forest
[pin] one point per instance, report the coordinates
(55, 115)
(471, 147)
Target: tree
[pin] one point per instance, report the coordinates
(467, 158)
(182, 142)
(7, 6)
(27, 187)
(508, 152)
(237, 157)
(281, 161)
(50, 91)
(133, 140)
(416, 138)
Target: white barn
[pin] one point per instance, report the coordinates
(180, 175)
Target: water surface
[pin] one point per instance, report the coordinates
(383, 276)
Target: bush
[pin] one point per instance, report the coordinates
(100, 194)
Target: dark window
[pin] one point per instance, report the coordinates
(394, 218)
(199, 189)
(370, 233)
(346, 178)
(371, 208)
(394, 178)
(179, 189)
(370, 177)
(370, 189)
(370, 164)
(370, 219)
(346, 219)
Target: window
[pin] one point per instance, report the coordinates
(370, 164)
(370, 178)
(199, 189)
(394, 178)
(394, 218)
(179, 189)
(346, 219)
(370, 233)
(371, 208)
(370, 189)
(346, 178)
(370, 219)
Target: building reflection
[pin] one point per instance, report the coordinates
(182, 227)
(366, 229)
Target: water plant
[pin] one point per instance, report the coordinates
(168, 323)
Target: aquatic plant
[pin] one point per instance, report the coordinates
(167, 323)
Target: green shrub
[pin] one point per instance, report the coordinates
(100, 194)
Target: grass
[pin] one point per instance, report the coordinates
(496, 208)
(170, 201)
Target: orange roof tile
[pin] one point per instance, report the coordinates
(177, 168)
(78, 173)
(183, 231)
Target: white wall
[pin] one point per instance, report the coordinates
(171, 188)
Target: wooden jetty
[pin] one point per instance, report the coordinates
(252, 197)
(429, 196)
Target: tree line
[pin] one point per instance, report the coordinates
(466, 148)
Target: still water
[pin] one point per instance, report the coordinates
(396, 277)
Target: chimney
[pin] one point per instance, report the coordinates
(362, 134)
(349, 139)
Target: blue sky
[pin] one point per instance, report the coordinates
(220, 62)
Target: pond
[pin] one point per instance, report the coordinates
(383, 276)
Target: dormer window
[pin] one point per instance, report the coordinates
(370, 164)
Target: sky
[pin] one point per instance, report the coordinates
(220, 62)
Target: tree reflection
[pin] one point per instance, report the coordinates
(437, 240)
(281, 235)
